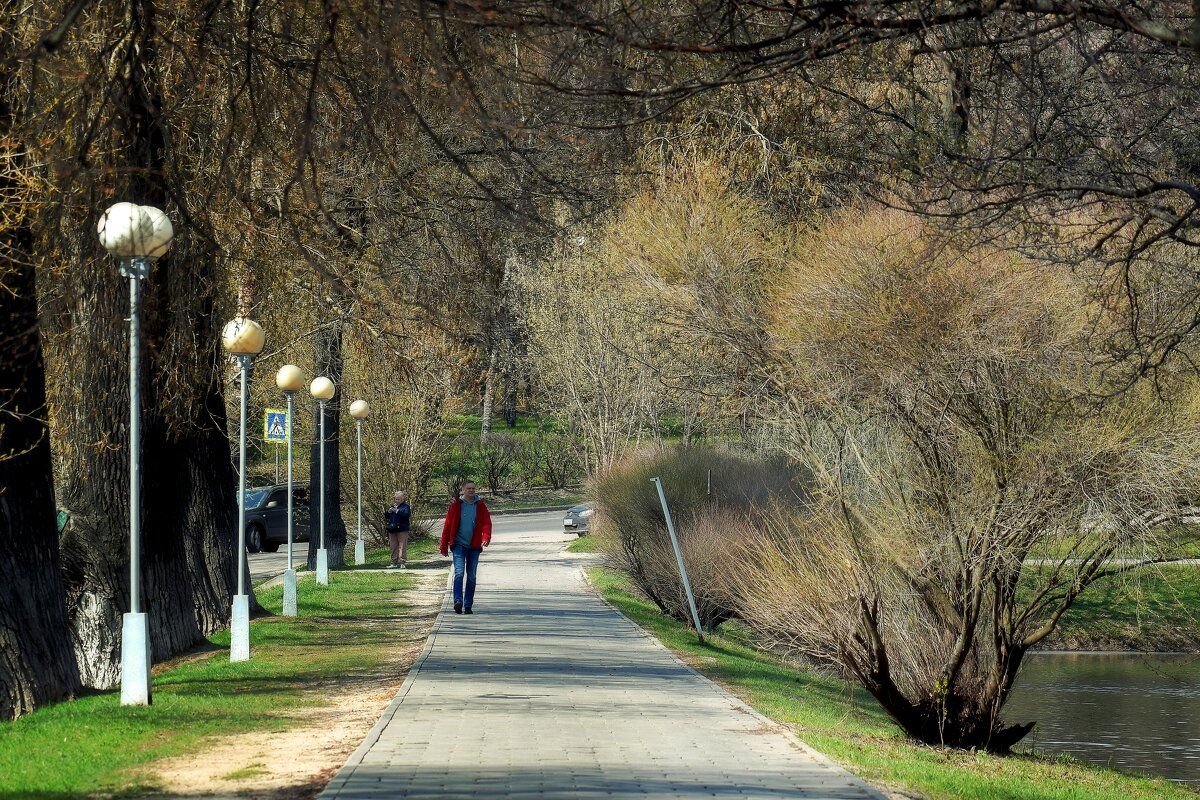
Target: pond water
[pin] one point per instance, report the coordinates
(1133, 711)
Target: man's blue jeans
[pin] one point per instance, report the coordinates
(466, 561)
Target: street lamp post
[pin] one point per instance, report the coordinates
(322, 390)
(137, 236)
(243, 339)
(359, 410)
(291, 380)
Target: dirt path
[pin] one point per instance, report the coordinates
(297, 763)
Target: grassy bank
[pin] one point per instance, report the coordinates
(846, 724)
(95, 745)
(1150, 610)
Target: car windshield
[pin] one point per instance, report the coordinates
(254, 497)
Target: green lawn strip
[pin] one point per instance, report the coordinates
(846, 724)
(1151, 609)
(95, 745)
(1177, 541)
(585, 544)
(472, 424)
(379, 557)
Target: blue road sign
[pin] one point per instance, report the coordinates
(275, 425)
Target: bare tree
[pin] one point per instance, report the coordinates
(188, 480)
(970, 490)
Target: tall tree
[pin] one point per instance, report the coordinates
(330, 364)
(37, 662)
(188, 497)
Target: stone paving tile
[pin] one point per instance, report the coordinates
(546, 692)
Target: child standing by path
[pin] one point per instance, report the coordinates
(396, 520)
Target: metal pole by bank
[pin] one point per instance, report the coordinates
(687, 586)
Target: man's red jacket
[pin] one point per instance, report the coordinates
(483, 526)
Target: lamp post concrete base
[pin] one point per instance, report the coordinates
(360, 552)
(239, 639)
(323, 567)
(135, 660)
(289, 592)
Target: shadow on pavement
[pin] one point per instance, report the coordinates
(644, 778)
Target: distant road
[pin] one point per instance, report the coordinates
(264, 566)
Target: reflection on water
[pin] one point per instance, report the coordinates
(1136, 712)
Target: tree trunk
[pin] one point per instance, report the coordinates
(489, 391)
(960, 719)
(329, 363)
(37, 663)
(204, 478)
(188, 523)
(956, 102)
(510, 400)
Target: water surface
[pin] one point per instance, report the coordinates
(1132, 711)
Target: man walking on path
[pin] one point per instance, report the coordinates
(467, 530)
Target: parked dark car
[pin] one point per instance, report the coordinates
(266, 516)
(578, 519)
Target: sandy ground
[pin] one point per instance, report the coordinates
(297, 763)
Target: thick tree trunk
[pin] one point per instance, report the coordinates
(489, 392)
(964, 720)
(203, 494)
(510, 399)
(188, 488)
(37, 662)
(329, 363)
(187, 477)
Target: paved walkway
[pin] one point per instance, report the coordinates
(546, 692)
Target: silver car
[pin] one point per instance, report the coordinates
(578, 519)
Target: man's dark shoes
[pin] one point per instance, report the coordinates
(458, 608)
(468, 610)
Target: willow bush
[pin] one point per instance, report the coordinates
(713, 496)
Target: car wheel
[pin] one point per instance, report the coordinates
(254, 537)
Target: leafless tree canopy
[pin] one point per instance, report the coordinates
(409, 194)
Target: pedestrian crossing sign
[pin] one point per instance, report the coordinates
(275, 425)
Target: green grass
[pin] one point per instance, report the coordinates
(1177, 541)
(1154, 609)
(463, 424)
(376, 557)
(95, 745)
(251, 771)
(585, 544)
(846, 724)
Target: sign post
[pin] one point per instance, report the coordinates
(275, 428)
